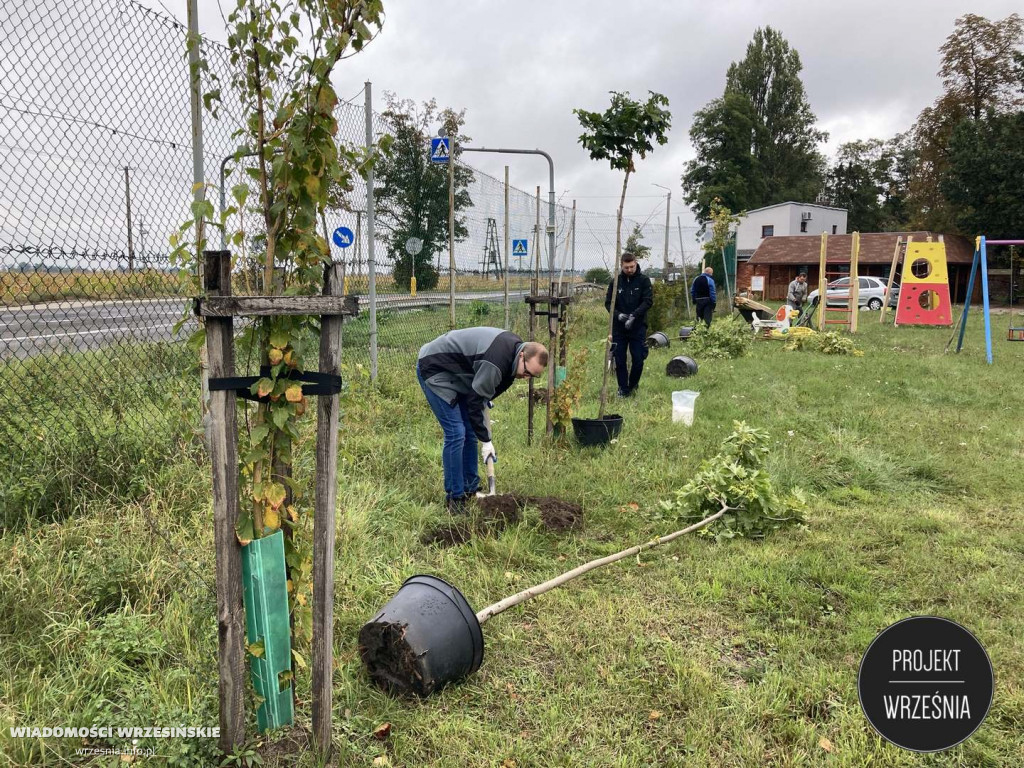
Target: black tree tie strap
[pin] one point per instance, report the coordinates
(316, 383)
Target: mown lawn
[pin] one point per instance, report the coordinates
(742, 653)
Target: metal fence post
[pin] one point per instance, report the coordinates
(198, 177)
(507, 319)
(371, 262)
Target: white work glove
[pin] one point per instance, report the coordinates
(629, 322)
(622, 317)
(487, 452)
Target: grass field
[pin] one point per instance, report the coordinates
(743, 653)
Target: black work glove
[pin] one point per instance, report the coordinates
(629, 321)
(622, 316)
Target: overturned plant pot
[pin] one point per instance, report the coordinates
(657, 339)
(681, 367)
(426, 637)
(597, 431)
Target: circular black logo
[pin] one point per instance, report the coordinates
(925, 684)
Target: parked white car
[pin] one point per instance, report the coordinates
(871, 293)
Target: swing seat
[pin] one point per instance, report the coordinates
(1015, 334)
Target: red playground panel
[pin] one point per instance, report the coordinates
(924, 304)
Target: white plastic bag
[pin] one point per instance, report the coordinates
(682, 406)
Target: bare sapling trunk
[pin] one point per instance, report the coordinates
(528, 594)
(615, 289)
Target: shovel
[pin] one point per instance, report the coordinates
(490, 460)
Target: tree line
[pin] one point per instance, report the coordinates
(958, 169)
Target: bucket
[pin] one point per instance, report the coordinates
(657, 339)
(426, 637)
(681, 367)
(597, 431)
(682, 406)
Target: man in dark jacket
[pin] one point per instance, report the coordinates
(629, 328)
(702, 291)
(460, 373)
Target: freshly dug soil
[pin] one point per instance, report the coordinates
(390, 661)
(556, 514)
(288, 745)
(485, 516)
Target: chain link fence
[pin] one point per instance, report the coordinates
(95, 174)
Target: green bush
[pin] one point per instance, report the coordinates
(669, 308)
(724, 340)
(736, 478)
(598, 275)
(426, 274)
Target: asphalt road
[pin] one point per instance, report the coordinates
(74, 325)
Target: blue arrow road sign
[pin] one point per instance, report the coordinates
(439, 150)
(520, 248)
(343, 237)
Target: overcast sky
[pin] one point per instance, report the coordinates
(520, 68)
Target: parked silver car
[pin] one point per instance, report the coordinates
(870, 293)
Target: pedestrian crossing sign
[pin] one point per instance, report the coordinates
(519, 248)
(440, 150)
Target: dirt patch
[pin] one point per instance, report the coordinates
(448, 535)
(490, 515)
(555, 514)
(390, 661)
(287, 745)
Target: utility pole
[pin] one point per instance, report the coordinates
(142, 242)
(128, 207)
(668, 215)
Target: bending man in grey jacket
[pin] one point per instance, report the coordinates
(460, 373)
(797, 293)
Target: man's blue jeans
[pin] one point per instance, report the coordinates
(459, 455)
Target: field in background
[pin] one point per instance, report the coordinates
(736, 654)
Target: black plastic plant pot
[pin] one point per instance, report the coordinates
(426, 637)
(681, 367)
(685, 331)
(657, 339)
(597, 431)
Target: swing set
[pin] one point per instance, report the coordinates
(1015, 332)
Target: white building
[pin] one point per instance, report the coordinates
(786, 219)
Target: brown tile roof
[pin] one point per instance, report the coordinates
(875, 248)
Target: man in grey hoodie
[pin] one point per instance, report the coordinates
(460, 373)
(797, 293)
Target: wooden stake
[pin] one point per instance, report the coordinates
(323, 522)
(223, 432)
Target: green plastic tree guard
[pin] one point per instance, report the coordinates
(265, 592)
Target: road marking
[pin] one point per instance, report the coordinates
(85, 333)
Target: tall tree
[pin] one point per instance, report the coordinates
(411, 192)
(985, 175)
(725, 167)
(980, 71)
(869, 179)
(757, 144)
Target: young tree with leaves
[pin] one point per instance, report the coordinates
(635, 243)
(621, 133)
(282, 78)
(411, 192)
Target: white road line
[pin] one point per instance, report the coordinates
(85, 333)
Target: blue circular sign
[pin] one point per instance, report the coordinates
(343, 237)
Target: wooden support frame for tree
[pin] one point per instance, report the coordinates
(555, 309)
(219, 309)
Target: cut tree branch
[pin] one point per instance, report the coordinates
(528, 594)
